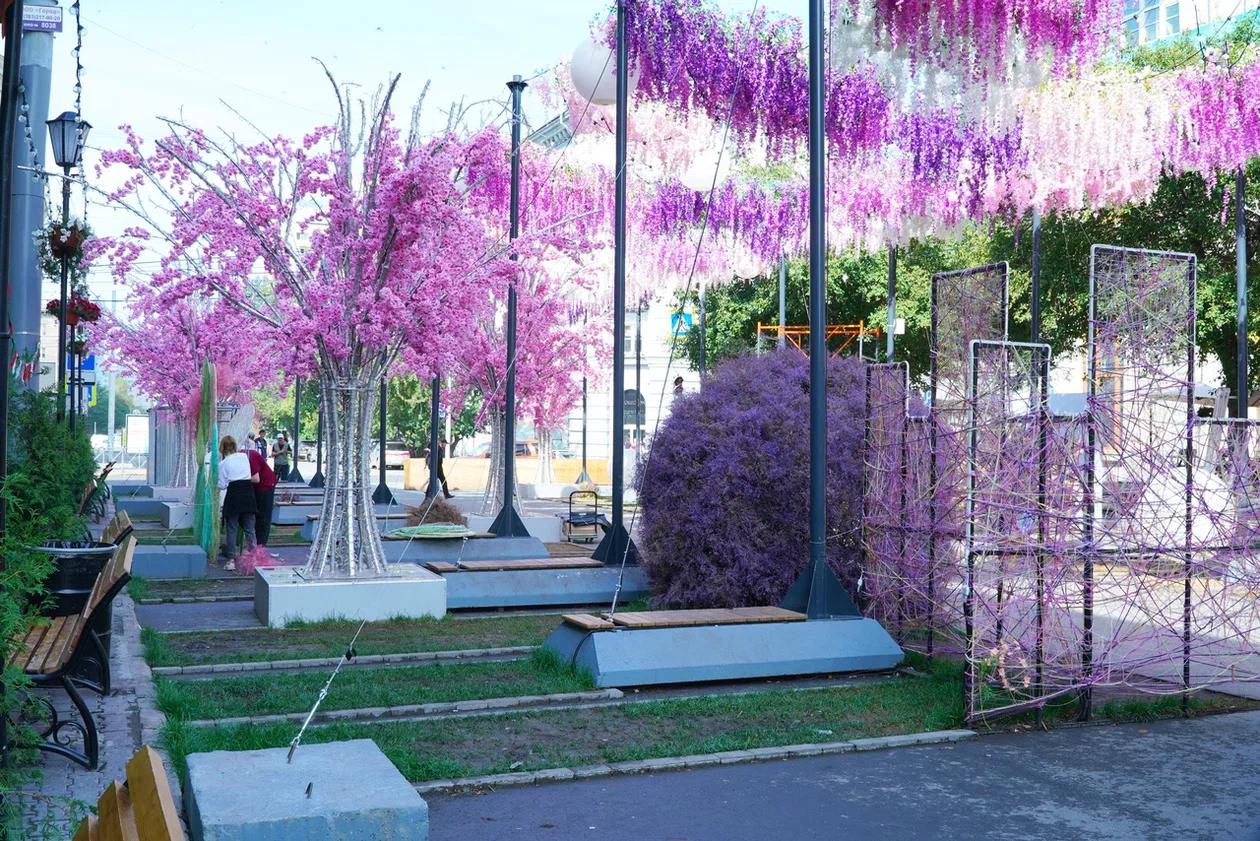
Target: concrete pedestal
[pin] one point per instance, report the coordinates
(395, 519)
(283, 595)
(176, 515)
(141, 507)
(170, 561)
(349, 791)
(542, 587)
(546, 529)
(126, 488)
(422, 550)
(654, 656)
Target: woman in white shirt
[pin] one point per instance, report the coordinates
(240, 507)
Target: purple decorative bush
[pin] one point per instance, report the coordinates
(725, 497)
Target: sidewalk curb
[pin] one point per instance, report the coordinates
(617, 769)
(371, 714)
(331, 662)
(193, 600)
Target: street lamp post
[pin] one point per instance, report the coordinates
(67, 135)
(382, 495)
(295, 475)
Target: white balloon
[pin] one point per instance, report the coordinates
(698, 175)
(593, 69)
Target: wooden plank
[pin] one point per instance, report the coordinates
(62, 649)
(22, 657)
(587, 622)
(530, 563)
(442, 566)
(44, 649)
(713, 616)
(157, 819)
(87, 830)
(117, 819)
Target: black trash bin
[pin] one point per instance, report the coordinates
(76, 565)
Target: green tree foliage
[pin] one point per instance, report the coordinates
(97, 418)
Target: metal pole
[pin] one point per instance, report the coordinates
(616, 546)
(892, 303)
(8, 125)
(1242, 389)
(382, 495)
(74, 375)
(703, 338)
(1035, 292)
(109, 421)
(782, 302)
(638, 378)
(295, 475)
(817, 605)
(508, 522)
(584, 476)
(435, 485)
(318, 481)
(63, 305)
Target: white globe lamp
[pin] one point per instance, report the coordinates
(594, 73)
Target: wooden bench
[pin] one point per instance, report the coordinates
(96, 494)
(682, 618)
(139, 809)
(517, 564)
(118, 529)
(68, 652)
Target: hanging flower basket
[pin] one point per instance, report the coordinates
(78, 348)
(65, 241)
(78, 309)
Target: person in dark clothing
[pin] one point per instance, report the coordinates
(240, 508)
(441, 474)
(280, 452)
(264, 494)
(260, 443)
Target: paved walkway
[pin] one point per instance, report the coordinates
(1197, 779)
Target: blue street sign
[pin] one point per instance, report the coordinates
(679, 323)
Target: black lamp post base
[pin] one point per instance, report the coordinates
(583, 478)
(295, 475)
(610, 555)
(317, 481)
(819, 594)
(383, 495)
(508, 524)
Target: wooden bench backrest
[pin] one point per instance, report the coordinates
(141, 810)
(118, 527)
(114, 575)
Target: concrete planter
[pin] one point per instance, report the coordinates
(283, 595)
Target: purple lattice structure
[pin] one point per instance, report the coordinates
(1116, 549)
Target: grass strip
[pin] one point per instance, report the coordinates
(452, 748)
(358, 688)
(329, 639)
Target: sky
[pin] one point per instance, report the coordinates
(144, 59)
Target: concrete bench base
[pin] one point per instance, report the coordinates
(654, 656)
(282, 595)
(170, 561)
(344, 790)
(546, 529)
(542, 587)
(176, 515)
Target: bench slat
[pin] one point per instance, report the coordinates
(156, 816)
(22, 657)
(62, 648)
(587, 622)
(117, 819)
(43, 650)
(87, 830)
(715, 616)
(530, 563)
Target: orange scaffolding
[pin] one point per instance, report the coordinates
(798, 335)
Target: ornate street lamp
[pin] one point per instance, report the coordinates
(67, 134)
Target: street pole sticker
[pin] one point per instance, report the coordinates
(41, 18)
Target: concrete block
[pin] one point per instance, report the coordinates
(355, 794)
(284, 594)
(546, 529)
(422, 551)
(655, 656)
(542, 587)
(168, 493)
(395, 519)
(170, 561)
(586, 772)
(141, 508)
(176, 515)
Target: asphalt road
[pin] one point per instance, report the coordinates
(1197, 779)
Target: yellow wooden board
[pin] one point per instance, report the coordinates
(712, 616)
(587, 622)
(157, 819)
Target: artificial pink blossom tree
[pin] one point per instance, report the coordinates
(359, 241)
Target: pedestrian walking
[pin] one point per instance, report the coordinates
(435, 465)
(240, 507)
(264, 495)
(280, 454)
(260, 443)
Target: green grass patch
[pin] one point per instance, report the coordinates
(329, 639)
(357, 688)
(138, 588)
(450, 748)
